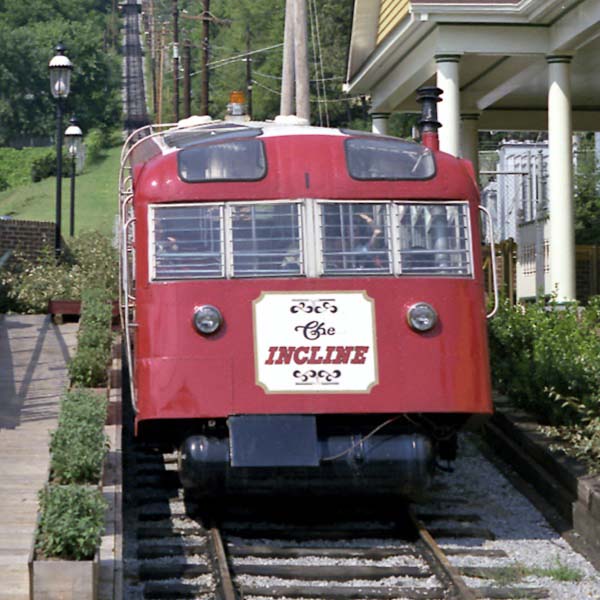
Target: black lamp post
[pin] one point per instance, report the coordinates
(60, 84)
(73, 137)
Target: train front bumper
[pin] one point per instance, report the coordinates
(265, 454)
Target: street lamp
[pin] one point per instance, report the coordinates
(73, 138)
(60, 68)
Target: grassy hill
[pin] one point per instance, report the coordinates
(96, 197)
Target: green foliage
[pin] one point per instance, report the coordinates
(88, 367)
(71, 522)
(97, 141)
(90, 260)
(542, 355)
(16, 164)
(78, 445)
(45, 166)
(94, 146)
(28, 35)
(546, 359)
(259, 25)
(587, 194)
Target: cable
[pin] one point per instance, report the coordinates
(311, 17)
(254, 82)
(362, 439)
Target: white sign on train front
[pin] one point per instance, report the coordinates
(315, 342)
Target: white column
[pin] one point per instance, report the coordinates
(560, 178)
(379, 122)
(449, 108)
(469, 139)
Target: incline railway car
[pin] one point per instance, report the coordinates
(303, 307)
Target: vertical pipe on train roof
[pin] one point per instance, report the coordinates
(428, 97)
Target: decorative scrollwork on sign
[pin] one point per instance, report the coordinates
(314, 306)
(321, 376)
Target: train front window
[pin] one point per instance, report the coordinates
(380, 158)
(231, 160)
(433, 239)
(266, 240)
(355, 238)
(187, 242)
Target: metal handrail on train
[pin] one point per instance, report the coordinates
(485, 211)
(126, 298)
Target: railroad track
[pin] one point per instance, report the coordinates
(136, 114)
(177, 547)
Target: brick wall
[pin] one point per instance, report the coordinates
(27, 237)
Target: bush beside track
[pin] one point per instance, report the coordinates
(545, 359)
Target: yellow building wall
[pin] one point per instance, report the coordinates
(391, 12)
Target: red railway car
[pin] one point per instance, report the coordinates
(303, 307)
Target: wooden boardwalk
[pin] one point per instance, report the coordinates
(33, 374)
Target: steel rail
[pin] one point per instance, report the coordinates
(219, 556)
(451, 574)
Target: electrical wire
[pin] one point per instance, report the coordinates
(311, 17)
(362, 440)
(254, 82)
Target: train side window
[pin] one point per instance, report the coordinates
(237, 160)
(355, 238)
(187, 242)
(434, 239)
(375, 158)
(266, 240)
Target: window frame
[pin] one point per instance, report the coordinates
(182, 154)
(311, 241)
(373, 137)
(226, 241)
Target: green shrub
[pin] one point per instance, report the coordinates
(78, 445)
(71, 522)
(89, 260)
(546, 359)
(16, 164)
(97, 141)
(88, 367)
(43, 167)
(29, 284)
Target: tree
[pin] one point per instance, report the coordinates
(587, 193)
(28, 34)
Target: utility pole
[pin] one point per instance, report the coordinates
(205, 56)
(301, 61)
(187, 88)
(248, 73)
(153, 59)
(175, 60)
(287, 75)
(161, 68)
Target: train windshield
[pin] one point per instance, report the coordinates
(233, 160)
(313, 238)
(374, 158)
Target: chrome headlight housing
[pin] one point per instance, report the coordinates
(422, 317)
(207, 319)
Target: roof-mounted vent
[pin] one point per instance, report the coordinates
(194, 121)
(291, 120)
(428, 97)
